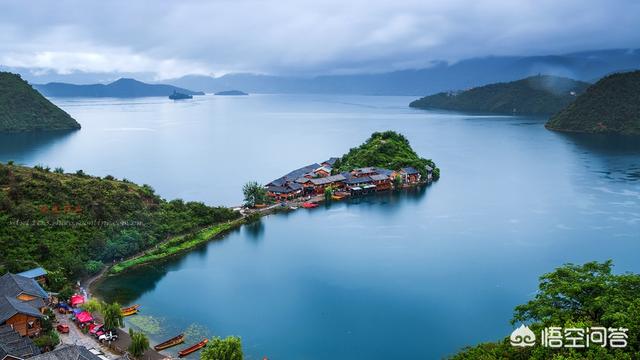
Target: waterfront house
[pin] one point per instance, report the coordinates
(22, 302)
(336, 182)
(410, 175)
(382, 182)
(429, 173)
(288, 191)
(13, 346)
(38, 274)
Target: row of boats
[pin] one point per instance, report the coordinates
(177, 340)
(174, 341)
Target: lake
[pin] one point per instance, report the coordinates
(418, 274)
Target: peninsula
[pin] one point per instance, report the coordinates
(384, 162)
(24, 109)
(536, 95)
(610, 106)
(72, 224)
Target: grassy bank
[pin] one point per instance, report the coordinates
(176, 245)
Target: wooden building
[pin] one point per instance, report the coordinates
(410, 175)
(38, 274)
(22, 302)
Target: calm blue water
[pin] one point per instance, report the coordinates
(416, 275)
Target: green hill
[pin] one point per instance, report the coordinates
(73, 223)
(534, 95)
(612, 105)
(24, 109)
(388, 150)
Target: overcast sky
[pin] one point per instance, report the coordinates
(173, 38)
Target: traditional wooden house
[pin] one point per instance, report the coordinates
(410, 175)
(320, 184)
(38, 274)
(22, 317)
(72, 352)
(288, 191)
(382, 182)
(322, 171)
(429, 173)
(365, 171)
(13, 346)
(330, 162)
(22, 302)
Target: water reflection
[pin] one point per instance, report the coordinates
(21, 147)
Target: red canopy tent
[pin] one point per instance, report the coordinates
(76, 300)
(84, 317)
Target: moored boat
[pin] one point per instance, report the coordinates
(130, 312)
(176, 340)
(309, 205)
(179, 96)
(129, 308)
(193, 348)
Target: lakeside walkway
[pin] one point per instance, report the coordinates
(116, 350)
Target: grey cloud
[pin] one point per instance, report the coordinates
(303, 37)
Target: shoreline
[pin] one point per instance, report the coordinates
(206, 234)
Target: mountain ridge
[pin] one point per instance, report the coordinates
(121, 88)
(535, 95)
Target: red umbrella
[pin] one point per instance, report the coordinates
(76, 300)
(84, 317)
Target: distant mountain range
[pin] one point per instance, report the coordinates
(24, 109)
(612, 105)
(122, 88)
(585, 66)
(540, 94)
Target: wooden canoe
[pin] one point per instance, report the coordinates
(129, 308)
(130, 312)
(193, 348)
(170, 343)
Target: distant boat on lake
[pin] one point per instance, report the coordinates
(179, 96)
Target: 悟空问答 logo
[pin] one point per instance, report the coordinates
(523, 337)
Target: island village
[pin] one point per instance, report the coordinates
(315, 179)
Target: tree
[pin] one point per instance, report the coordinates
(112, 316)
(398, 182)
(66, 293)
(139, 343)
(328, 192)
(581, 296)
(229, 348)
(92, 305)
(254, 193)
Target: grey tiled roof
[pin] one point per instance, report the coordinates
(331, 161)
(68, 352)
(328, 179)
(14, 285)
(11, 343)
(295, 174)
(409, 170)
(358, 180)
(34, 273)
(379, 177)
(11, 306)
